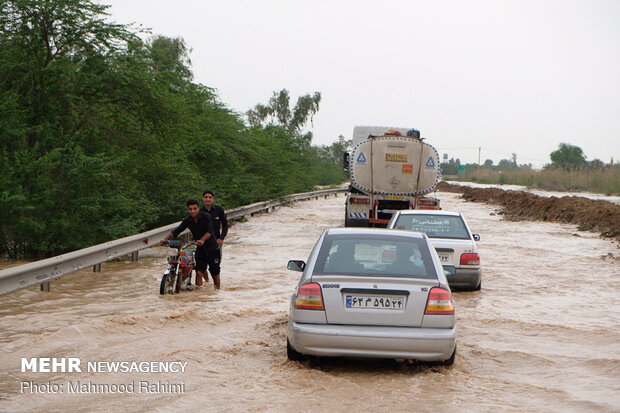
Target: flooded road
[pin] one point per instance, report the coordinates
(543, 334)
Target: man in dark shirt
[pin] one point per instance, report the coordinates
(201, 227)
(218, 217)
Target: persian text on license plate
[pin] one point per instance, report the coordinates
(443, 258)
(390, 302)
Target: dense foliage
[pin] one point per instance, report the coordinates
(568, 157)
(103, 135)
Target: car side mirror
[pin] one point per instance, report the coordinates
(449, 270)
(476, 237)
(296, 265)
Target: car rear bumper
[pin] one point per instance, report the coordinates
(465, 278)
(427, 344)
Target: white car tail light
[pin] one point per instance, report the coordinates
(310, 297)
(439, 302)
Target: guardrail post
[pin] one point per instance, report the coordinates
(45, 287)
(97, 267)
(134, 256)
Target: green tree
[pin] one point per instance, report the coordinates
(103, 135)
(171, 56)
(338, 149)
(278, 111)
(451, 167)
(506, 165)
(568, 157)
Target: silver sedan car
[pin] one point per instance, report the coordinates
(368, 292)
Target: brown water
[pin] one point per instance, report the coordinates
(542, 335)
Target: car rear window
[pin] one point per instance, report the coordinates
(434, 226)
(375, 256)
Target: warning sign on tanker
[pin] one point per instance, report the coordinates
(395, 157)
(408, 169)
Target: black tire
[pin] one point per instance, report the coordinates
(293, 354)
(179, 282)
(450, 361)
(479, 287)
(168, 284)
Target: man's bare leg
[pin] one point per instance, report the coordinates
(216, 281)
(199, 276)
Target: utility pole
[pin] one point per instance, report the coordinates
(479, 149)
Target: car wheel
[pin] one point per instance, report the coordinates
(478, 287)
(293, 354)
(449, 361)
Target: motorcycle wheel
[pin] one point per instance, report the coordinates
(168, 284)
(179, 281)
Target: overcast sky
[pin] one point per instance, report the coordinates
(507, 76)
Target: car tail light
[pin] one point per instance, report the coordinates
(310, 297)
(470, 259)
(360, 201)
(439, 302)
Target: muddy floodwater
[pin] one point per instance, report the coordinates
(543, 334)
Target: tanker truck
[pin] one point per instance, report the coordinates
(392, 170)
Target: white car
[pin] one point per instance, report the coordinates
(369, 292)
(451, 237)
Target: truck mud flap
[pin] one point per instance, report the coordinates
(352, 222)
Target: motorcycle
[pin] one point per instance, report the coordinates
(178, 275)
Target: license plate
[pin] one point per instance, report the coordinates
(394, 198)
(396, 157)
(390, 302)
(443, 258)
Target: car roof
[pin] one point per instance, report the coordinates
(428, 212)
(374, 231)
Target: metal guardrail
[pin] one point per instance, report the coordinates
(44, 271)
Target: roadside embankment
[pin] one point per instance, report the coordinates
(588, 214)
